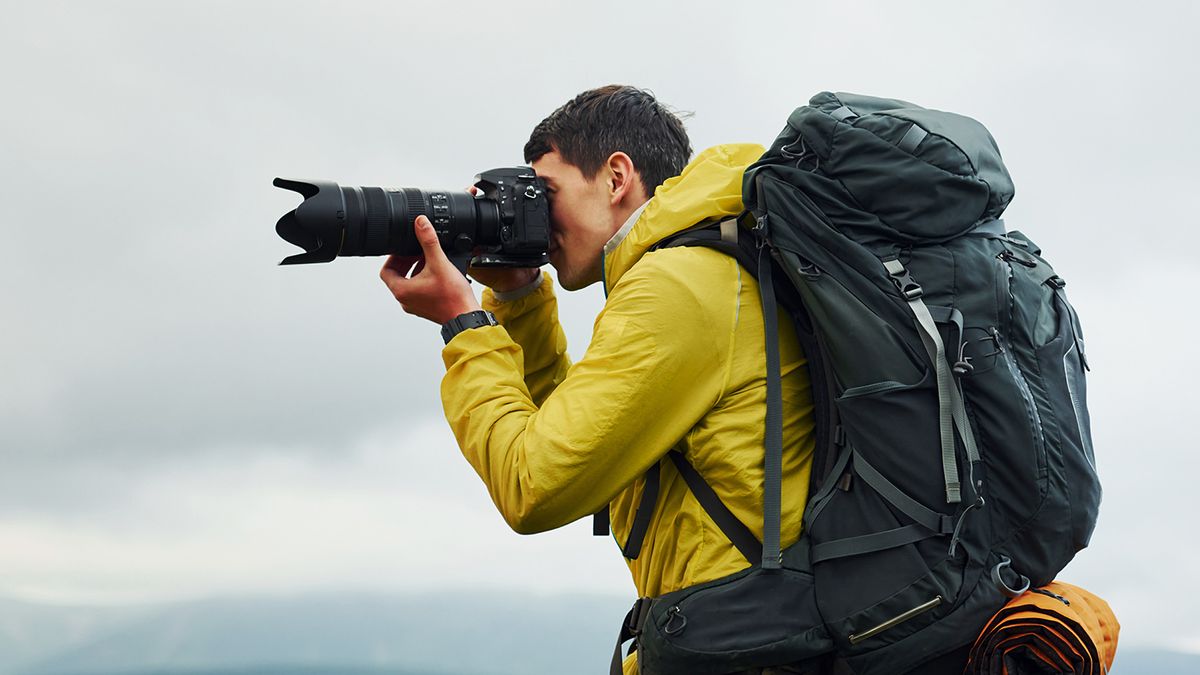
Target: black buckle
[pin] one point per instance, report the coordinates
(1056, 282)
(637, 616)
(904, 282)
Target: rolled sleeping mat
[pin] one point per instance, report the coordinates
(1056, 629)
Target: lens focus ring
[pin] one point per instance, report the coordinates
(375, 238)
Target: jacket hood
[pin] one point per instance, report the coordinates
(709, 187)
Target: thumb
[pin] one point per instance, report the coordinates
(428, 238)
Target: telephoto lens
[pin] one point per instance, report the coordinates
(505, 224)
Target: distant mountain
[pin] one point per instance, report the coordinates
(1155, 662)
(351, 634)
(30, 632)
(434, 634)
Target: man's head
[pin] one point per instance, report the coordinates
(602, 156)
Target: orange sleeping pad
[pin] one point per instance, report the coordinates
(1058, 628)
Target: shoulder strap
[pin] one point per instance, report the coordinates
(730, 526)
(641, 518)
(753, 252)
(772, 557)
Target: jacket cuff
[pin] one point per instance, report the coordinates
(533, 296)
(518, 293)
(471, 343)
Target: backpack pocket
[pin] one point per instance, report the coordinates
(750, 619)
(1074, 495)
(1043, 348)
(880, 534)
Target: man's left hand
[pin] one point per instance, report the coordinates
(428, 286)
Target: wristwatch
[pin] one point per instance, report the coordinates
(458, 324)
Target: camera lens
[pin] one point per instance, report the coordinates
(337, 221)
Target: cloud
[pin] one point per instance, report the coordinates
(398, 511)
(179, 415)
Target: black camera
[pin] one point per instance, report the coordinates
(505, 224)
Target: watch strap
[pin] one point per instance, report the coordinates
(458, 324)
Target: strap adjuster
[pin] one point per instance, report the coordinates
(904, 282)
(1056, 282)
(637, 616)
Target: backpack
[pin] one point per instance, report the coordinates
(954, 465)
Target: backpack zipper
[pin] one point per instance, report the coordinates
(1026, 395)
(1010, 257)
(895, 621)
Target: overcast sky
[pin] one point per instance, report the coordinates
(180, 417)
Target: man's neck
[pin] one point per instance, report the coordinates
(631, 217)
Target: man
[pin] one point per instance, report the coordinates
(676, 358)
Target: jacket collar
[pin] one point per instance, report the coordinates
(710, 187)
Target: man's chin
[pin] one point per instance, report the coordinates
(570, 280)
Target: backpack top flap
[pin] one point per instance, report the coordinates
(894, 170)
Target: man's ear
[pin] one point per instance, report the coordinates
(624, 181)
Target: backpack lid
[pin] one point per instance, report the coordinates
(912, 174)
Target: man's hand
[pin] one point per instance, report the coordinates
(428, 286)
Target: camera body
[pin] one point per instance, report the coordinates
(524, 218)
(505, 224)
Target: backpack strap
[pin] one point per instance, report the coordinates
(952, 411)
(641, 518)
(754, 254)
(772, 557)
(730, 526)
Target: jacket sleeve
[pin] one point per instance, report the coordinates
(656, 364)
(532, 322)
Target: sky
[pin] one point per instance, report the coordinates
(180, 417)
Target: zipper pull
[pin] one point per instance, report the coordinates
(1010, 257)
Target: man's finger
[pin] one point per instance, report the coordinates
(394, 268)
(428, 238)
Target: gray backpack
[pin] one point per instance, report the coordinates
(954, 464)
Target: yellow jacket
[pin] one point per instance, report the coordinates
(676, 360)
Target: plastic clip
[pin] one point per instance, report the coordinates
(904, 282)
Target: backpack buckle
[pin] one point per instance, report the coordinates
(904, 282)
(637, 616)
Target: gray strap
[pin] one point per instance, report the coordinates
(869, 543)
(773, 430)
(963, 424)
(937, 523)
(729, 231)
(912, 138)
(843, 113)
(817, 502)
(937, 356)
(992, 227)
(951, 410)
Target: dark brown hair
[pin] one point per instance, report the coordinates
(616, 118)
